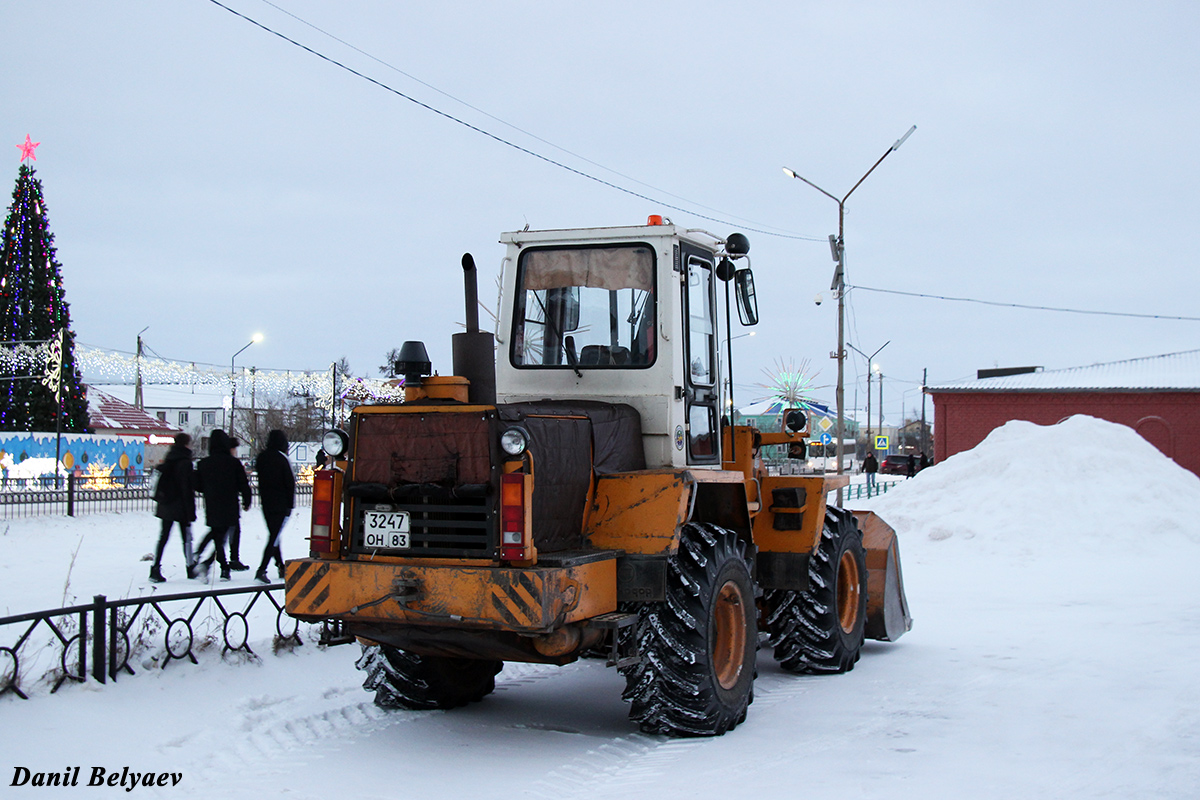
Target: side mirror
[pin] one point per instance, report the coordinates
(747, 303)
(797, 450)
(795, 420)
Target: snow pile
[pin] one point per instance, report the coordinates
(1084, 481)
(34, 468)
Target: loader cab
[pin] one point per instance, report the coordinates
(620, 315)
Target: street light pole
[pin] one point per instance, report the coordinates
(839, 287)
(881, 402)
(258, 337)
(871, 367)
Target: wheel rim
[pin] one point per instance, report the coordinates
(729, 645)
(848, 591)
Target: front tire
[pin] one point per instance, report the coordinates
(820, 631)
(698, 647)
(401, 679)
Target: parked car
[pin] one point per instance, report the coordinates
(896, 464)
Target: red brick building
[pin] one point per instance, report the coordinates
(1159, 397)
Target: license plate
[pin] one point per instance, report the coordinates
(385, 529)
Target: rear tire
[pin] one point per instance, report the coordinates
(697, 667)
(401, 679)
(820, 631)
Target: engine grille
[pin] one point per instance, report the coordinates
(462, 528)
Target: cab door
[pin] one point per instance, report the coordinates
(702, 381)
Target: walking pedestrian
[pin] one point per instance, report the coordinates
(235, 533)
(175, 503)
(220, 478)
(870, 466)
(277, 494)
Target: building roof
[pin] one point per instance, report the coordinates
(111, 414)
(1171, 372)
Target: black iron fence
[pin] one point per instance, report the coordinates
(73, 495)
(100, 639)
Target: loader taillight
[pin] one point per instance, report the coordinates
(514, 535)
(321, 538)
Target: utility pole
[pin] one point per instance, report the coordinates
(253, 409)
(924, 442)
(137, 390)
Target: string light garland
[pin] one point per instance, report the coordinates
(110, 367)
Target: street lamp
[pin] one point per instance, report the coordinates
(838, 286)
(870, 368)
(256, 338)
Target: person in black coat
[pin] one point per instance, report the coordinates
(235, 533)
(870, 466)
(221, 478)
(277, 494)
(175, 502)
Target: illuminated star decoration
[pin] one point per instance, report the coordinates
(27, 149)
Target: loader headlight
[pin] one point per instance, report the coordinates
(335, 442)
(514, 441)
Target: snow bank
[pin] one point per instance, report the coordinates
(1084, 481)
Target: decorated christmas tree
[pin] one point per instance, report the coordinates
(34, 313)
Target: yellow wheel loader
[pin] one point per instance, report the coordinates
(573, 489)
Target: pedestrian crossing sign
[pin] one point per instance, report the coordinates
(881, 443)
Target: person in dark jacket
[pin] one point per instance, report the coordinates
(277, 494)
(220, 478)
(175, 502)
(235, 533)
(870, 466)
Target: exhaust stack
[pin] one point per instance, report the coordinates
(474, 351)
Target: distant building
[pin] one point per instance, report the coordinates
(1157, 396)
(194, 411)
(111, 416)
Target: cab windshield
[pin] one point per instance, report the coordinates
(593, 306)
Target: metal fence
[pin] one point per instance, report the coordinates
(73, 495)
(858, 491)
(99, 639)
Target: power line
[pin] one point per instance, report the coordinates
(1022, 305)
(502, 121)
(502, 140)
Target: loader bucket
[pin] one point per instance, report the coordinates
(887, 607)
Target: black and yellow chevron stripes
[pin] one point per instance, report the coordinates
(307, 587)
(515, 599)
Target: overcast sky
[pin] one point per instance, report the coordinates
(209, 180)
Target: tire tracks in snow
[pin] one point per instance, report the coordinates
(272, 737)
(631, 763)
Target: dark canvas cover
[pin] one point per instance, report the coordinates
(569, 440)
(444, 448)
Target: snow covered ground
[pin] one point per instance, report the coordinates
(1053, 655)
